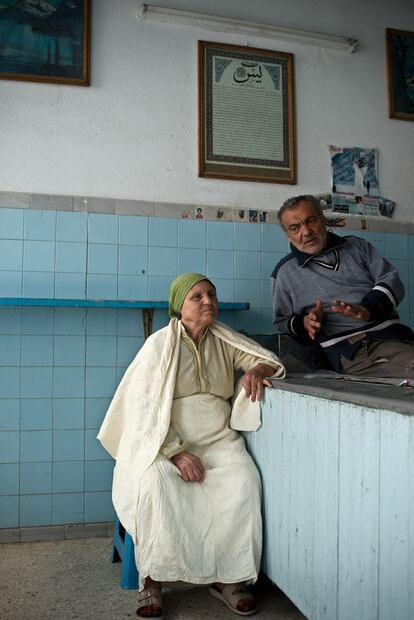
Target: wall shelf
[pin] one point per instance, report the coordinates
(147, 307)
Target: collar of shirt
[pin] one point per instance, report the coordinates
(332, 242)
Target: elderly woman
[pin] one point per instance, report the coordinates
(184, 486)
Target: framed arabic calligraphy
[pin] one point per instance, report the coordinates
(246, 114)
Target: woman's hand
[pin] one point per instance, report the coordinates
(254, 380)
(190, 466)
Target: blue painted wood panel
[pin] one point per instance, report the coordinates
(338, 502)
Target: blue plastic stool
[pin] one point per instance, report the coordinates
(123, 551)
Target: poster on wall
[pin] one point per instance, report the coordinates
(400, 62)
(45, 41)
(246, 114)
(354, 180)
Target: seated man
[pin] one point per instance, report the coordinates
(340, 293)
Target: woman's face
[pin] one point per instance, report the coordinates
(200, 306)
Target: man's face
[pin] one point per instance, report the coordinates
(305, 228)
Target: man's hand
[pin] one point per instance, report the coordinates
(355, 311)
(313, 320)
(190, 466)
(254, 380)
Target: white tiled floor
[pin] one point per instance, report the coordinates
(74, 579)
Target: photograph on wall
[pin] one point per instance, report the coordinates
(354, 180)
(246, 114)
(45, 41)
(400, 63)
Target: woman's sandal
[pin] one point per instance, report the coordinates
(147, 597)
(231, 594)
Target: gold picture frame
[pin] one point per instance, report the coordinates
(48, 42)
(400, 65)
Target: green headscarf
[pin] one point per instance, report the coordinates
(179, 289)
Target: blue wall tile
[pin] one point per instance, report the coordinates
(68, 413)
(160, 319)
(98, 475)
(248, 238)
(9, 350)
(10, 320)
(71, 226)
(40, 225)
(36, 381)
(162, 261)
(69, 381)
(95, 410)
(396, 246)
(98, 507)
(191, 234)
(36, 414)
(130, 322)
(37, 321)
(68, 477)
(9, 479)
(9, 447)
(70, 257)
(11, 223)
(225, 289)
(103, 228)
(220, 264)
(67, 508)
(70, 286)
(133, 230)
(69, 350)
(101, 351)
(100, 382)
(35, 510)
(158, 287)
(274, 239)
(102, 287)
(220, 235)
(11, 255)
(133, 287)
(35, 446)
(249, 290)
(9, 511)
(377, 239)
(266, 294)
(102, 258)
(127, 349)
(70, 321)
(93, 448)
(9, 382)
(35, 478)
(37, 350)
(39, 256)
(9, 414)
(191, 260)
(68, 445)
(163, 232)
(101, 322)
(38, 284)
(247, 265)
(269, 262)
(11, 283)
(133, 260)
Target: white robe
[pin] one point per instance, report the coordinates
(138, 419)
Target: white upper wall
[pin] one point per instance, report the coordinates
(133, 133)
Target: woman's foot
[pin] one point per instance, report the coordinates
(236, 597)
(149, 602)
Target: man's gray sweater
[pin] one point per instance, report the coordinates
(348, 269)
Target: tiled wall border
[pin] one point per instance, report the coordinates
(56, 532)
(115, 206)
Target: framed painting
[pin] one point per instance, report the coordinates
(45, 41)
(246, 113)
(400, 62)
